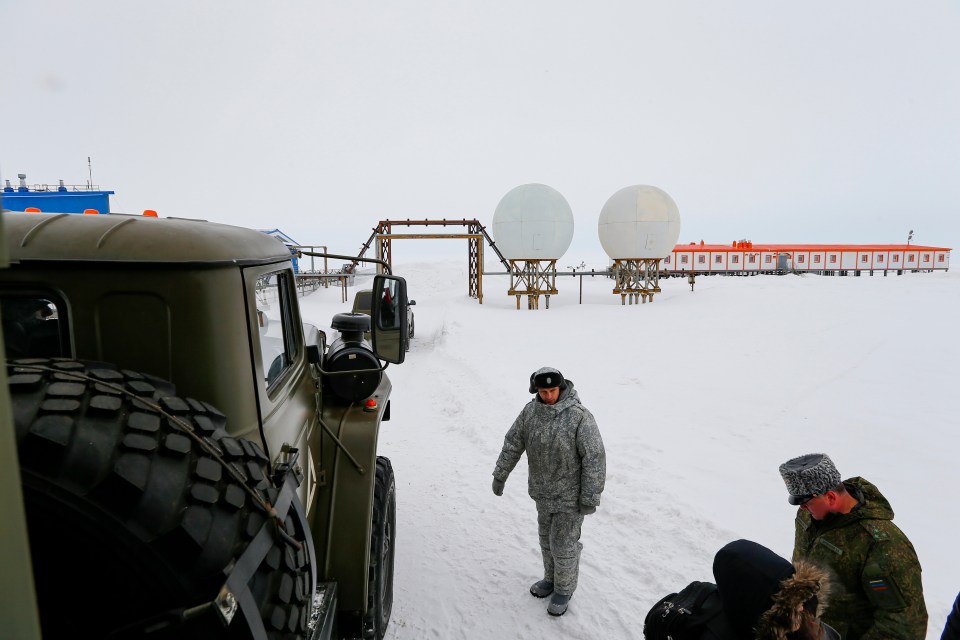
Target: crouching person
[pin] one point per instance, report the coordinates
(758, 595)
(764, 596)
(567, 470)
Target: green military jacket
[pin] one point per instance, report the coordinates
(874, 569)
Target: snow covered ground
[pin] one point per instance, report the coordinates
(699, 397)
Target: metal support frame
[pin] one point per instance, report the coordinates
(384, 247)
(474, 255)
(533, 278)
(308, 250)
(636, 279)
(384, 236)
(475, 262)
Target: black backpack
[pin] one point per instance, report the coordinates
(683, 615)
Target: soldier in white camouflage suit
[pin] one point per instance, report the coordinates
(567, 471)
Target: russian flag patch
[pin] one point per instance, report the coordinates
(878, 585)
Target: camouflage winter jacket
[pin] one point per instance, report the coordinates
(564, 451)
(875, 571)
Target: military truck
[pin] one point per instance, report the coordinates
(362, 302)
(196, 462)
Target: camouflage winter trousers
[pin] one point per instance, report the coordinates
(560, 546)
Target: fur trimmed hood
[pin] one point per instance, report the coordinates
(762, 592)
(808, 581)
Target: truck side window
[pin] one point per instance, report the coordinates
(31, 327)
(277, 346)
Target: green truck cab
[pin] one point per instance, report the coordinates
(185, 436)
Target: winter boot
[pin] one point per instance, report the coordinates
(558, 604)
(542, 588)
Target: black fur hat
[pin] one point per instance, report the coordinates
(546, 378)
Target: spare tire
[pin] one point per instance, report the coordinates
(141, 509)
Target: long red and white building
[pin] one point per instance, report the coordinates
(747, 258)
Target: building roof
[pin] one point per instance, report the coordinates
(276, 233)
(839, 248)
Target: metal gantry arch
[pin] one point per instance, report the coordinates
(383, 234)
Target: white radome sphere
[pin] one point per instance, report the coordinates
(533, 222)
(639, 222)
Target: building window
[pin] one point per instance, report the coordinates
(896, 258)
(666, 260)
(735, 259)
(879, 258)
(718, 259)
(910, 258)
(833, 259)
(940, 258)
(683, 259)
(767, 259)
(753, 259)
(800, 259)
(702, 259)
(864, 258)
(926, 257)
(816, 259)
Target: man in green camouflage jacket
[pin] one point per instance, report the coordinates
(848, 528)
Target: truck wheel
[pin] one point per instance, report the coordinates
(140, 506)
(382, 546)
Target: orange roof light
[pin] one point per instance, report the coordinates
(32, 210)
(93, 211)
(150, 213)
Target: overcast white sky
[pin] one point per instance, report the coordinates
(808, 121)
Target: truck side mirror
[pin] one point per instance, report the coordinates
(388, 317)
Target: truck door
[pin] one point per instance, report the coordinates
(285, 383)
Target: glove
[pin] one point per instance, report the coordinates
(585, 510)
(498, 487)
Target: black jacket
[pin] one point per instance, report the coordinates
(761, 593)
(952, 629)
